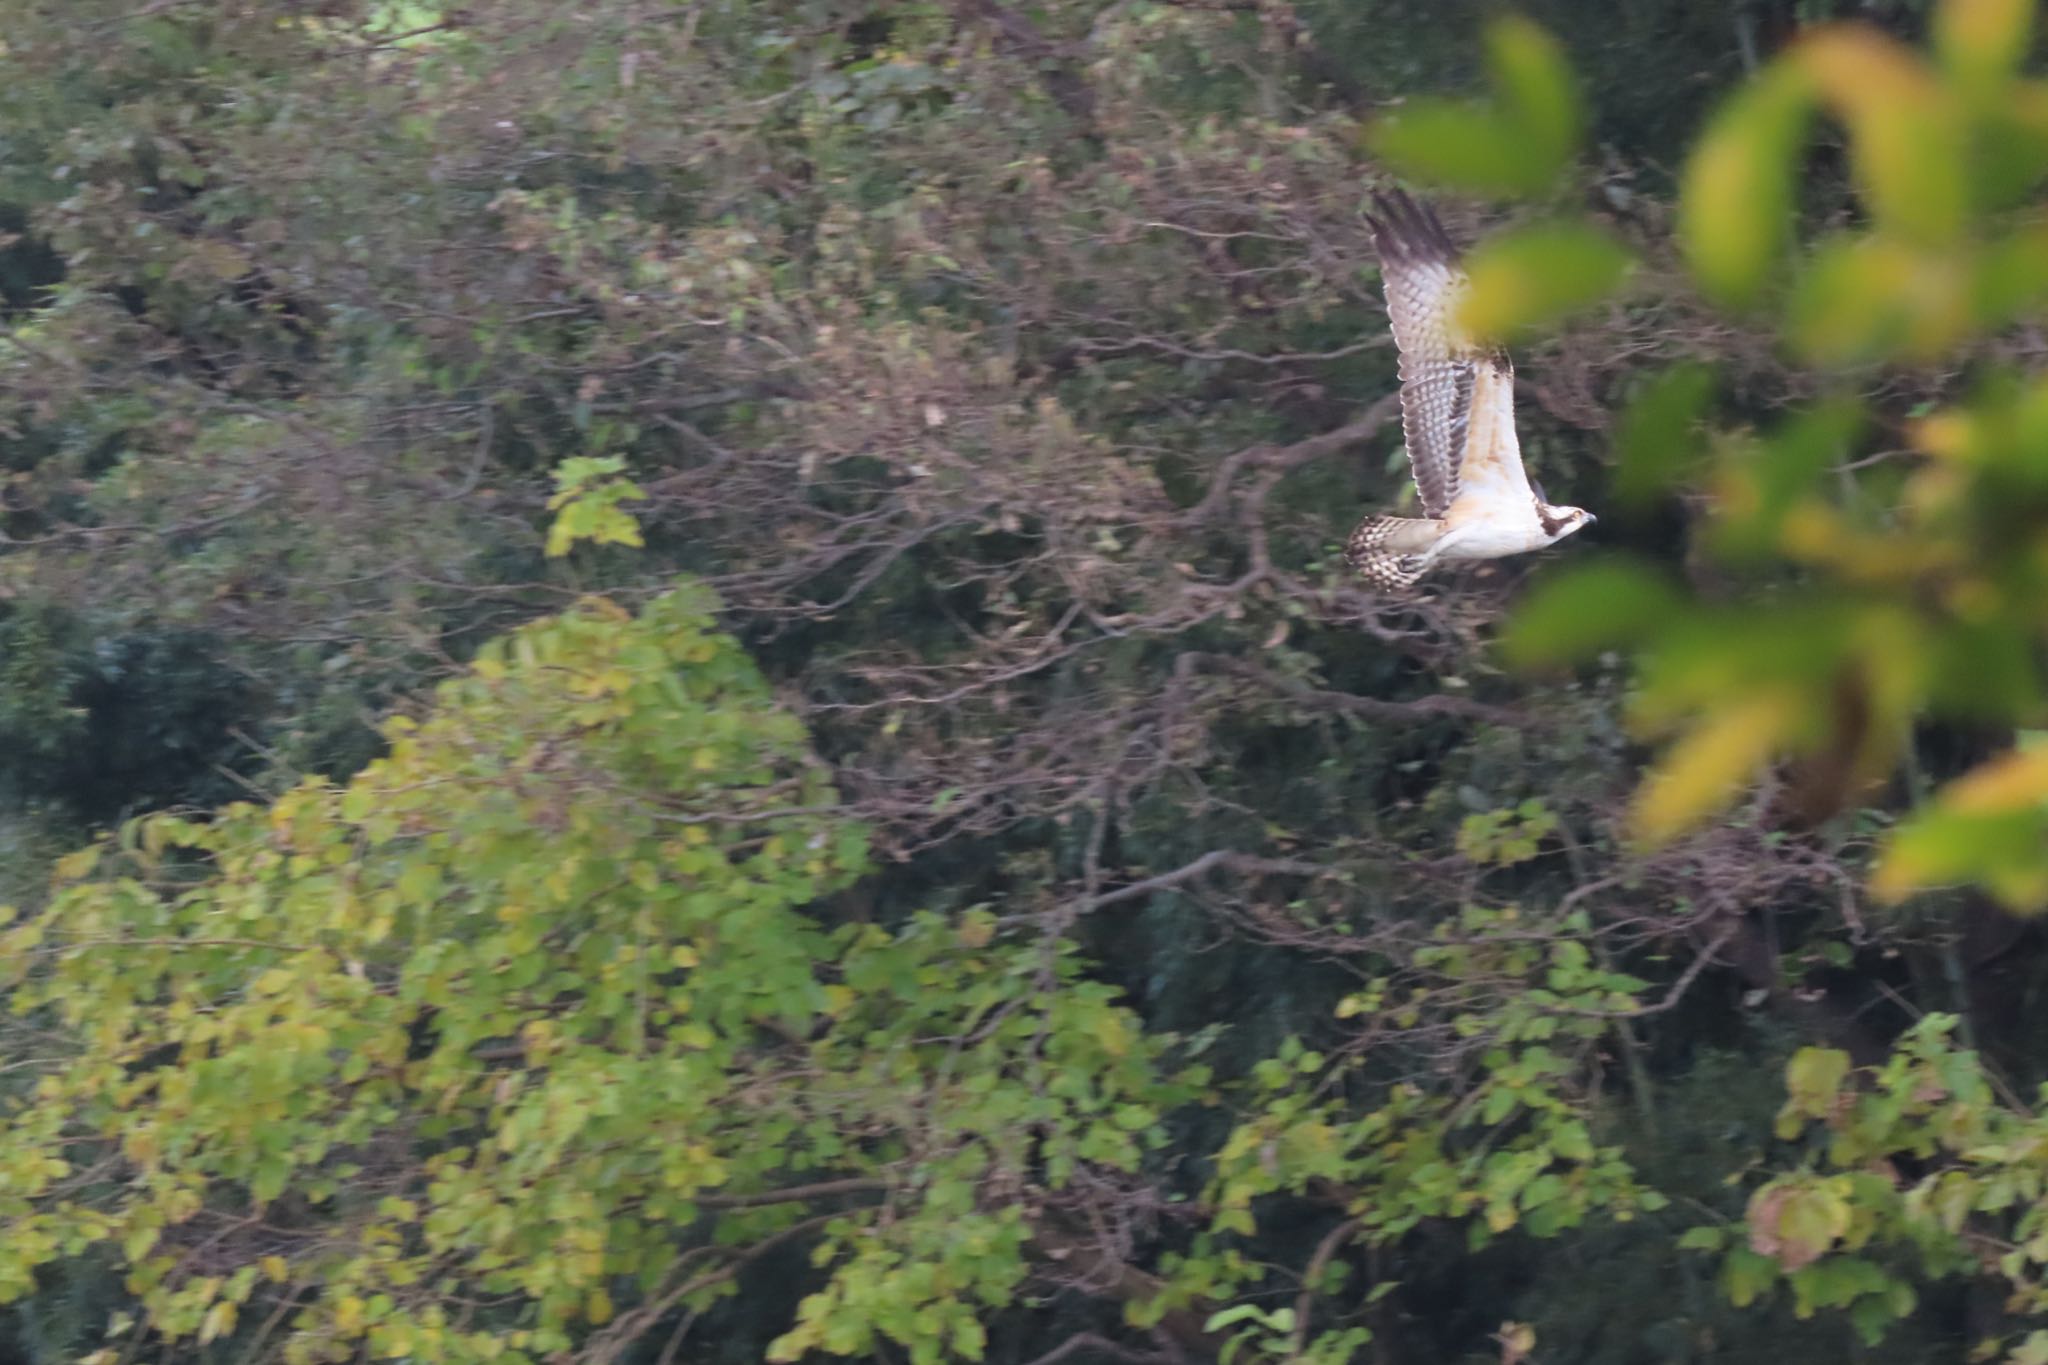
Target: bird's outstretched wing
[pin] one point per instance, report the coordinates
(1444, 375)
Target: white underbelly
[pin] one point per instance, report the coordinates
(1490, 537)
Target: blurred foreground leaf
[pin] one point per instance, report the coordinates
(1517, 143)
(1758, 481)
(1736, 201)
(1658, 436)
(1864, 298)
(2011, 277)
(1538, 274)
(1535, 91)
(1457, 145)
(2010, 155)
(1705, 770)
(1989, 827)
(1907, 145)
(1982, 42)
(1596, 606)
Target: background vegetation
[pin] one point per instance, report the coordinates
(675, 685)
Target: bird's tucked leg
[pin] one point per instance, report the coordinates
(1391, 553)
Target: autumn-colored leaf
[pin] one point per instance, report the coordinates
(1906, 133)
(1706, 769)
(1982, 42)
(1735, 204)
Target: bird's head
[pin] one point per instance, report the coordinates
(1560, 522)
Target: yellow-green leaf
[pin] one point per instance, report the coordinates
(1461, 146)
(1735, 203)
(2011, 277)
(1796, 1225)
(1986, 827)
(1537, 96)
(1907, 143)
(1704, 771)
(1517, 143)
(1535, 275)
(2012, 144)
(1814, 1076)
(1658, 432)
(75, 866)
(1868, 298)
(2014, 781)
(218, 1322)
(1981, 42)
(1593, 607)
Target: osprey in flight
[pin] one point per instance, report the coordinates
(1458, 415)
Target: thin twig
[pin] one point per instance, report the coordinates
(1317, 1263)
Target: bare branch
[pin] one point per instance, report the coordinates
(1304, 1302)
(1101, 1348)
(1215, 860)
(793, 1194)
(1370, 708)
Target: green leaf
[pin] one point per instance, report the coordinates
(1518, 143)
(1735, 201)
(586, 503)
(1706, 1237)
(1535, 91)
(1703, 771)
(1863, 298)
(1459, 146)
(1500, 1102)
(1576, 614)
(1658, 440)
(1982, 42)
(2033, 1350)
(1572, 1142)
(2011, 277)
(1988, 826)
(1746, 1275)
(2012, 145)
(1762, 480)
(1534, 276)
(1228, 1317)
(1907, 142)
(1814, 1076)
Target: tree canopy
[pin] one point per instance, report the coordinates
(676, 684)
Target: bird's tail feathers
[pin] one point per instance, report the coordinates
(1391, 553)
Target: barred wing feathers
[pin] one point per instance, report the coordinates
(1457, 398)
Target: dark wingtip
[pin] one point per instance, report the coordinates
(1408, 230)
(1394, 204)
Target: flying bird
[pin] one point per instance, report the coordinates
(1457, 414)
